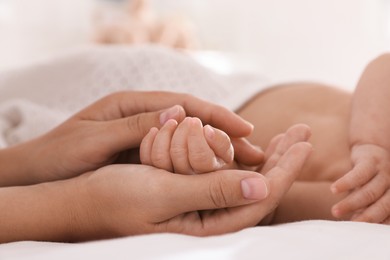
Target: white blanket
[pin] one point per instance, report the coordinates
(35, 99)
(302, 240)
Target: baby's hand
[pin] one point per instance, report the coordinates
(369, 183)
(186, 148)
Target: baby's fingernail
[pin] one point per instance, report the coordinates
(209, 132)
(171, 122)
(254, 188)
(170, 113)
(196, 121)
(153, 129)
(336, 212)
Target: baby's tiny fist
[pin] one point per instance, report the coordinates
(220, 143)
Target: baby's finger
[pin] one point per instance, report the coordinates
(202, 157)
(377, 212)
(160, 151)
(361, 197)
(271, 161)
(145, 149)
(179, 148)
(361, 173)
(273, 144)
(220, 143)
(293, 135)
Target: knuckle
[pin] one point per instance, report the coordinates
(368, 217)
(198, 157)
(179, 158)
(186, 96)
(202, 162)
(384, 209)
(158, 159)
(370, 195)
(224, 144)
(219, 193)
(136, 125)
(359, 176)
(177, 149)
(113, 96)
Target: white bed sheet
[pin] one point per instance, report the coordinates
(300, 240)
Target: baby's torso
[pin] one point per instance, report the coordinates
(325, 109)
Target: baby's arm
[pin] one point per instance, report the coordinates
(369, 180)
(187, 148)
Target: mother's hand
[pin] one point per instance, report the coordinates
(139, 199)
(108, 130)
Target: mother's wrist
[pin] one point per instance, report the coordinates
(91, 221)
(32, 163)
(80, 207)
(16, 167)
(39, 162)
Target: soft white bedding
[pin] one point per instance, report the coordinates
(48, 93)
(302, 240)
(36, 98)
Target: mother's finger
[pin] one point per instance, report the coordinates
(295, 134)
(279, 178)
(271, 162)
(128, 103)
(125, 133)
(225, 188)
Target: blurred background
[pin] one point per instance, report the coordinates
(321, 40)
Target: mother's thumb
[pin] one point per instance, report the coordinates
(222, 189)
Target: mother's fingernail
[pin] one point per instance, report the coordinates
(254, 188)
(170, 113)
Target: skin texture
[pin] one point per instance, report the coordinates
(190, 148)
(72, 191)
(113, 201)
(187, 148)
(348, 173)
(326, 111)
(369, 181)
(95, 205)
